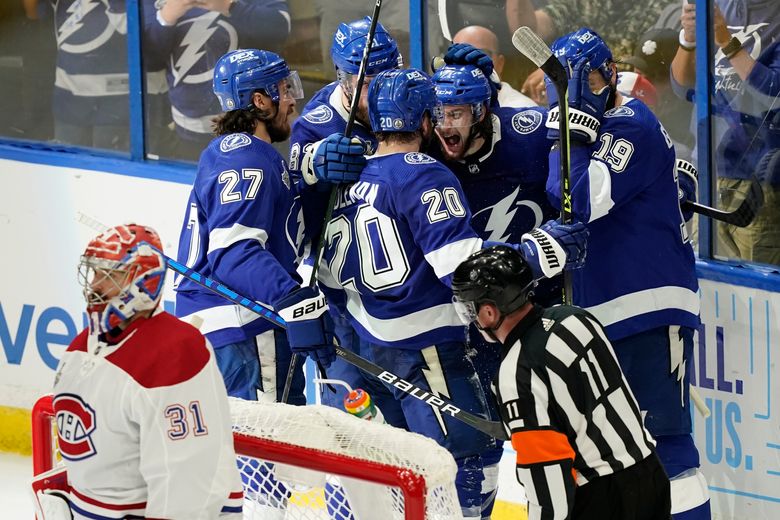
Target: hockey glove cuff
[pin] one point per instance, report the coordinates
(553, 246)
(339, 159)
(309, 325)
(688, 184)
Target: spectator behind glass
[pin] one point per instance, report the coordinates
(487, 41)
(90, 100)
(652, 57)
(745, 111)
(619, 22)
(191, 35)
(27, 52)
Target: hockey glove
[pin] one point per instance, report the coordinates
(466, 54)
(687, 185)
(309, 325)
(586, 108)
(339, 159)
(553, 246)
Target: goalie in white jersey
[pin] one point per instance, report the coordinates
(143, 421)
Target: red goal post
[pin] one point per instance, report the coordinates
(318, 462)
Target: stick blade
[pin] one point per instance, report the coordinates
(531, 45)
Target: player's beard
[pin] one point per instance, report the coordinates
(278, 127)
(453, 143)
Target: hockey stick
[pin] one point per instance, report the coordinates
(533, 47)
(742, 216)
(334, 190)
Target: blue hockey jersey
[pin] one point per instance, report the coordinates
(91, 83)
(639, 272)
(504, 181)
(193, 45)
(322, 116)
(395, 238)
(243, 227)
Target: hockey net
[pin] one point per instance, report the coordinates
(316, 462)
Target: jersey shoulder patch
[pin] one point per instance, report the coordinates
(164, 351)
(234, 141)
(418, 158)
(320, 115)
(622, 111)
(526, 121)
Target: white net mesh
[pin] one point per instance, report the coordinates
(344, 445)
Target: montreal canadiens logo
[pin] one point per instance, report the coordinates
(233, 141)
(526, 121)
(418, 158)
(321, 114)
(75, 426)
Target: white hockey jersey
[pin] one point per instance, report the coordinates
(144, 426)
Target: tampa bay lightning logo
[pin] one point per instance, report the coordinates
(321, 114)
(526, 121)
(619, 112)
(418, 158)
(507, 218)
(233, 141)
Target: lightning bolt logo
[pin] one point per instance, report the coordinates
(501, 215)
(434, 375)
(193, 44)
(77, 11)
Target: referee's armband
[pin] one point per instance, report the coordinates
(542, 446)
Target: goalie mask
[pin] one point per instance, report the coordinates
(122, 273)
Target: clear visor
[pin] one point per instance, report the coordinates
(467, 311)
(349, 82)
(291, 87)
(101, 279)
(458, 116)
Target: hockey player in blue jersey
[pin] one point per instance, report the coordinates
(639, 279)
(243, 227)
(325, 114)
(499, 155)
(396, 235)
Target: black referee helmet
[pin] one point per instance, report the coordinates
(498, 274)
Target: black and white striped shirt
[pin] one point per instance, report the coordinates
(566, 406)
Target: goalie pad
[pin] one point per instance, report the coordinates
(50, 492)
(580, 123)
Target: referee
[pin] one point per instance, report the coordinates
(582, 451)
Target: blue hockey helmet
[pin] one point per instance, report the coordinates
(398, 100)
(461, 85)
(584, 43)
(239, 73)
(349, 42)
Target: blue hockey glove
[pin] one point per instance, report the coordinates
(586, 108)
(339, 159)
(309, 325)
(687, 185)
(552, 247)
(466, 54)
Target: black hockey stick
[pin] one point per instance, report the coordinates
(334, 190)
(533, 47)
(742, 216)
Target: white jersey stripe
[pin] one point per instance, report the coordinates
(402, 327)
(600, 184)
(643, 302)
(445, 259)
(220, 238)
